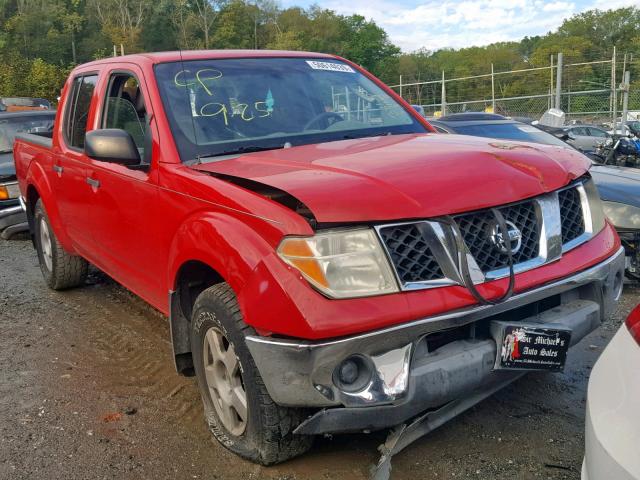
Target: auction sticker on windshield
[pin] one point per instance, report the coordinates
(530, 347)
(334, 67)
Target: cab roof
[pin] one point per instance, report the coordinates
(186, 55)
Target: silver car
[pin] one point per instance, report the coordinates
(586, 137)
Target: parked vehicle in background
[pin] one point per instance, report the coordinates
(634, 127)
(620, 150)
(622, 130)
(419, 109)
(612, 426)
(17, 104)
(586, 137)
(299, 224)
(619, 187)
(12, 216)
(491, 125)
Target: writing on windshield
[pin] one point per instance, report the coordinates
(205, 79)
(217, 105)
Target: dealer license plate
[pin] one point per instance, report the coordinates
(529, 347)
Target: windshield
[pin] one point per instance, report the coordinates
(26, 102)
(218, 107)
(510, 131)
(9, 127)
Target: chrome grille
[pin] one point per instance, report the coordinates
(423, 252)
(571, 214)
(413, 259)
(476, 229)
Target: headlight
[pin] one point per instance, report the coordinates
(341, 264)
(595, 207)
(9, 191)
(622, 216)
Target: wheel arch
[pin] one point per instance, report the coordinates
(192, 278)
(39, 188)
(30, 200)
(207, 249)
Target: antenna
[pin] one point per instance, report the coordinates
(188, 92)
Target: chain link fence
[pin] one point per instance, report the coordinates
(581, 89)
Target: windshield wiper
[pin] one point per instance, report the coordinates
(262, 148)
(239, 150)
(366, 135)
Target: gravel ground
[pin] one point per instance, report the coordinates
(88, 390)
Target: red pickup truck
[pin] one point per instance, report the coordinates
(327, 262)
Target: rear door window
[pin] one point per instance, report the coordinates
(77, 113)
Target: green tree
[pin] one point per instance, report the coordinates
(367, 44)
(235, 26)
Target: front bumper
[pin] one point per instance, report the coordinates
(612, 427)
(12, 217)
(428, 362)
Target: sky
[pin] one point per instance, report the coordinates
(434, 24)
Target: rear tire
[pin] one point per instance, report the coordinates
(60, 269)
(238, 409)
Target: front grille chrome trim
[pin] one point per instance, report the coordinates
(588, 225)
(442, 245)
(550, 240)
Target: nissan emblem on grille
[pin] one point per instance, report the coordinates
(515, 236)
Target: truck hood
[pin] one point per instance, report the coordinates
(617, 184)
(405, 176)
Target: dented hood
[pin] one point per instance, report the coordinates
(406, 176)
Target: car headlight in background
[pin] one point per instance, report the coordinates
(341, 263)
(595, 207)
(9, 191)
(622, 216)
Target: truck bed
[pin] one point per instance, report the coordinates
(40, 139)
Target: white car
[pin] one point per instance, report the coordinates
(612, 432)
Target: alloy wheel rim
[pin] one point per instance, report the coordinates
(45, 243)
(224, 381)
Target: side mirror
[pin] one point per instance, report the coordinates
(571, 135)
(111, 145)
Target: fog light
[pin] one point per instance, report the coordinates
(348, 372)
(353, 373)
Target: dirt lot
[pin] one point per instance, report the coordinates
(88, 390)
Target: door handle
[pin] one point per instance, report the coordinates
(58, 169)
(93, 182)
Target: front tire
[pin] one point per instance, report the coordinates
(60, 269)
(238, 409)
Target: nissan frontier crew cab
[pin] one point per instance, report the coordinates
(327, 262)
